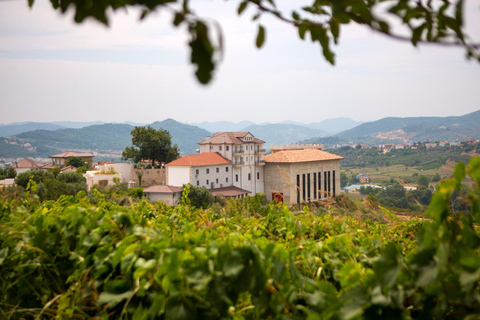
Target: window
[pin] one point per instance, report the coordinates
(308, 186)
(216, 180)
(298, 188)
(198, 183)
(227, 148)
(197, 171)
(251, 147)
(220, 148)
(303, 186)
(218, 170)
(333, 181)
(226, 180)
(208, 171)
(208, 182)
(236, 178)
(226, 169)
(258, 175)
(249, 176)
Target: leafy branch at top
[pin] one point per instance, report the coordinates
(435, 21)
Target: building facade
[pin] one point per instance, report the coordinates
(246, 155)
(297, 176)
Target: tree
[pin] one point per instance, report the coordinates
(11, 172)
(38, 176)
(75, 162)
(151, 144)
(343, 179)
(423, 181)
(436, 21)
(200, 197)
(437, 177)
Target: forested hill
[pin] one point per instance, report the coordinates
(97, 137)
(184, 135)
(101, 137)
(16, 128)
(421, 128)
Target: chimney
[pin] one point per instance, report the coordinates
(223, 139)
(207, 139)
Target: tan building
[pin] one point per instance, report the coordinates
(296, 176)
(60, 160)
(26, 165)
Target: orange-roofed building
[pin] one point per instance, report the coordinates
(208, 169)
(296, 176)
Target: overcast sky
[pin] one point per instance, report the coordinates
(52, 69)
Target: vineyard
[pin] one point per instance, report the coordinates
(75, 258)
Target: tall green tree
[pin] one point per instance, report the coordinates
(76, 162)
(151, 144)
(438, 22)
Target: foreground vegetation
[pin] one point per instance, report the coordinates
(81, 258)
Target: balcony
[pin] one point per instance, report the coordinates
(239, 163)
(260, 162)
(238, 152)
(260, 151)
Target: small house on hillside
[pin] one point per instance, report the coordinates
(168, 194)
(26, 165)
(60, 160)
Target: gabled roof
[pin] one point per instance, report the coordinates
(229, 191)
(231, 138)
(306, 155)
(69, 154)
(162, 189)
(202, 159)
(27, 163)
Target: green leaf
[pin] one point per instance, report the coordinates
(242, 7)
(113, 299)
(260, 36)
(201, 52)
(335, 29)
(30, 3)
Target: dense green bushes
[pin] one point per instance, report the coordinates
(72, 259)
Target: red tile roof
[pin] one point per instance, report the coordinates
(162, 189)
(306, 155)
(229, 191)
(231, 138)
(202, 159)
(27, 163)
(72, 154)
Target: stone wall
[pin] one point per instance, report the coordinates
(150, 177)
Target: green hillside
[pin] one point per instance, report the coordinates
(103, 137)
(421, 128)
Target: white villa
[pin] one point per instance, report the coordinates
(232, 164)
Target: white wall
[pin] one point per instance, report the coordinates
(124, 169)
(224, 177)
(178, 175)
(170, 199)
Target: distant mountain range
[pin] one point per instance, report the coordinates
(329, 126)
(43, 139)
(101, 137)
(282, 133)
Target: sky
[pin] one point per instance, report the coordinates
(52, 69)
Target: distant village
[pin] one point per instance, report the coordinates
(231, 164)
